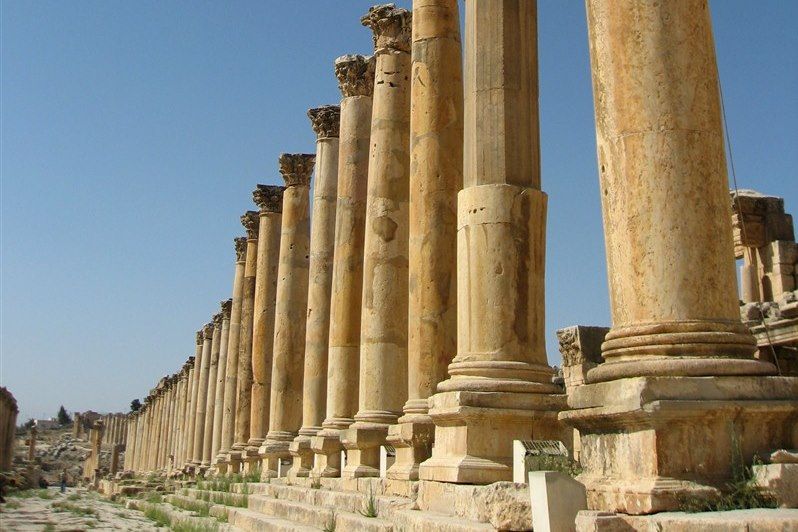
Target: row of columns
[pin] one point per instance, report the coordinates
(411, 310)
(115, 432)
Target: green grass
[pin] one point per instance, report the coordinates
(159, 516)
(73, 497)
(13, 504)
(330, 526)
(154, 498)
(370, 508)
(193, 527)
(65, 506)
(49, 527)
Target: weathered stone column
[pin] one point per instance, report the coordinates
(269, 199)
(191, 417)
(231, 370)
(244, 399)
(355, 75)
(679, 366)
(499, 387)
(32, 432)
(325, 122)
(210, 407)
(383, 333)
(202, 394)
(218, 403)
(436, 176)
(130, 444)
(183, 459)
(285, 416)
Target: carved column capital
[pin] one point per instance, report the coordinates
(325, 120)
(241, 248)
(251, 223)
(355, 75)
(227, 306)
(207, 331)
(296, 168)
(199, 337)
(268, 198)
(217, 320)
(392, 27)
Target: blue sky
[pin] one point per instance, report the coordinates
(134, 132)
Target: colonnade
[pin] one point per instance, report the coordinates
(408, 310)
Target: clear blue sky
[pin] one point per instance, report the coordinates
(134, 132)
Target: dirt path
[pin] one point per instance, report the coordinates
(77, 509)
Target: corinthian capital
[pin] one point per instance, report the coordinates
(241, 248)
(325, 121)
(392, 27)
(250, 221)
(355, 75)
(296, 168)
(199, 337)
(269, 198)
(227, 306)
(207, 331)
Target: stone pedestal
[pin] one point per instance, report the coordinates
(231, 368)
(436, 176)
(383, 333)
(356, 80)
(678, 397)
(251, 223)
(285, 417)
(499, 387)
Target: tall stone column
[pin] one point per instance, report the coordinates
(191, 418)
(679, 366)
(244, 395)
(436, 176)
(210, 407)
(355, 75)
(218, 403)
(202, 395)
(383, 333)
(130, 444)
(269, 200)
(231, 369)
(186, 426)
(285, 417)
(325, 122)
(499, 387)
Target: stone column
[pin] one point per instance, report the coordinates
(436, 176)
(355, 75)
(285, 417)
(383, 334)
(244, 400)
(231, 370)
(170, 417)
(269, 199)
(325, 122)
(191, 418)
(32, 444)
(218, 403)
(187, 426)
(202, 394)
(499, 387)
(130, 445)
(679, 366)
(210, 407)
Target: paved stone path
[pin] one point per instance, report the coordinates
(77, 509)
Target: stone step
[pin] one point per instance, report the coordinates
(251, 521)
(217, 497)
(425, 521)
(348, 501)
(319, 516)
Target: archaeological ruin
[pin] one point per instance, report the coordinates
(383, 346)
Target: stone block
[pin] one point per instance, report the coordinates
(555, 498)
(780, 480)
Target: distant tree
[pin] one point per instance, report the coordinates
(63, 417)
(135, 405)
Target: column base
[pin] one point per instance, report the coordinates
(251, 458)
(235, 459)
(474, 433)
(326, 446)
(413, 443)
(302, 456)
(362, 442)
(221, 465)
(272, 451)
(650, 443)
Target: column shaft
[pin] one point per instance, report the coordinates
(202, 395)
(210, 407)
(218, 403)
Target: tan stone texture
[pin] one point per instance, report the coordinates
(218, 403)
(202, 394)
(285, 416)
(191, 416)
(231, 370)
(210, 402)
(270, 200)
(251, 223)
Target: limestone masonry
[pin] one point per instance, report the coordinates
(386, 335)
